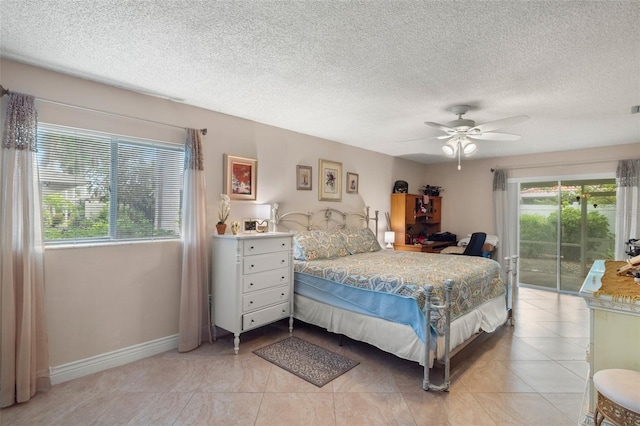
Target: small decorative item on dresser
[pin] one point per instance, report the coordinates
(224, 209)
(235, 227)
(262, 225)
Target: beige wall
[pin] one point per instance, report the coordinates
(108, 297)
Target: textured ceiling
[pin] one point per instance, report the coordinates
(364, 73)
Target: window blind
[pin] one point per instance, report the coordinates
(101, 187)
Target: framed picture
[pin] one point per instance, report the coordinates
(240, 177)
(303, 178)
(329, 181)
(255, 225)
(352, 183)
(249, 225)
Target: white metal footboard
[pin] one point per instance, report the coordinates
(426, 382)
(511, 282)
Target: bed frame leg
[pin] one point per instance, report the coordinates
(427, 343)
(426, 383)
(511, 273)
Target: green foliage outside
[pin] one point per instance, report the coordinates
(539, 234)
(75, 225)
(130, 223)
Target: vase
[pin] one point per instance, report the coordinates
(235, 227)
(221, 228)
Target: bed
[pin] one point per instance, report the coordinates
(346, 283)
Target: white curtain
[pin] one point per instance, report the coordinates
(627, 204)
(24, 357)
(505, 202)
(195, 320)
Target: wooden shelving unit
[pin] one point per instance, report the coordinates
(412, 214)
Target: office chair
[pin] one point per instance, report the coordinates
(474, 248)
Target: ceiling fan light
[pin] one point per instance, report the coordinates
(448, 149)
(470, 148)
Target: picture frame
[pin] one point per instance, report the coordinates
(352, 183)
(250, 226)
(240, 177)
(329, 180)
(304, 178)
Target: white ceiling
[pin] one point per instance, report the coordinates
(364, 73)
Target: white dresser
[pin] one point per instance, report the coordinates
(615, 334)
(252, 281)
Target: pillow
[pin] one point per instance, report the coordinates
(312, 245)
(359, 240)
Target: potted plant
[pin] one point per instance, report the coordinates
(431, 190)
(224, 208)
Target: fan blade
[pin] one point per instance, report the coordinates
(439, 126)
(424, 139)
(492, 136)
(498, 124)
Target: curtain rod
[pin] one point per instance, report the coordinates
(535, 166)
(4, 91)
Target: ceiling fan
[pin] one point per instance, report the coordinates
(462, 132)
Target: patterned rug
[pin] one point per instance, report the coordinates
(310, 362)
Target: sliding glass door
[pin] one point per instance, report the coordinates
(539, 201)
(563, 227)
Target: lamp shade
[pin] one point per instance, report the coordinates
(263, 211)
(389, 238)
(470, 148)
(449, 148)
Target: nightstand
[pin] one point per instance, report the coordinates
(252, 282)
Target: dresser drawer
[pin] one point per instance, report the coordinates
(260, 299)
(265, 316)
(265, 262)
(254, 282)
(266, 245)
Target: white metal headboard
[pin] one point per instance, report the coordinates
(326, 219)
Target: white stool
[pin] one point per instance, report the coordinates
(618, 397)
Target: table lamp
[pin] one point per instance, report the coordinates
(389, 238)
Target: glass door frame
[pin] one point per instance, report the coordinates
(516, 222)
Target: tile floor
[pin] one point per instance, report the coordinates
(530, 374)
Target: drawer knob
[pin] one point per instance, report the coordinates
(251, 248)
(250, 302)
(283, 244)
(252, 266)
(282, 261)
(253, 320)
(250, 284)
(282, 294)
(281, 278)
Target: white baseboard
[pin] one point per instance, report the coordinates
(73, 370)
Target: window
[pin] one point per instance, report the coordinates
(101, 187)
